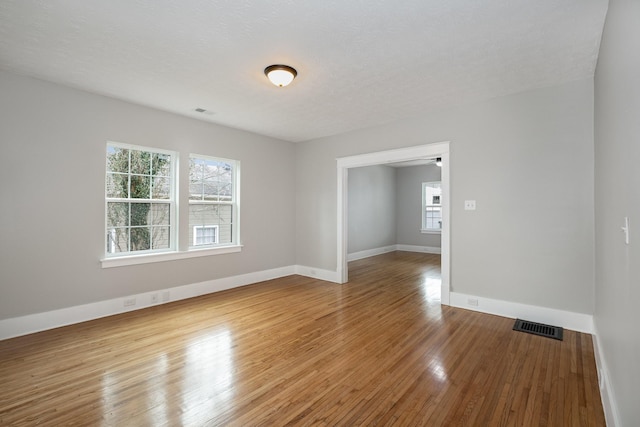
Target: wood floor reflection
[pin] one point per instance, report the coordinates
(379, 350)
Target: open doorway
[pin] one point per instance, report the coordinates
(384, 158)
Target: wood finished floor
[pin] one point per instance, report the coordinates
(379, 350)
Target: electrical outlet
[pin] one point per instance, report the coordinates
(154, 299)
(165, 296)
(469, 205)
(129, 302)
(473, 301)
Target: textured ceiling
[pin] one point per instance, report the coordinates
(360, 63)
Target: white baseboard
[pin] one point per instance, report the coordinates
(567, 319)
(317, 273)
(414, 248)
(31, 323)
(384, 249)
(370, 252)
(611, 415)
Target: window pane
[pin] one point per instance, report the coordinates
(117, 214)
(117, 159)
(140, 213)
(140, 238)
(117, 240)
(117, 186)
(195, 190)
(160, 238)
(140, 162)
(224, 233)
(140, 187)
(161, 188)
(160, 213)
(160, 164)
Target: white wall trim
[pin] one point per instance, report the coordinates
(567, 319)
(37, 322)
(414, 248)
(354, 256)
(370, 252)
(607, 395)
(317, 273)
(440, 149)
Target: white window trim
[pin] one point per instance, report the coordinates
(423, 229)
(168, 256)
(172, 202)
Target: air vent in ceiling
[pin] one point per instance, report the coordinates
(203, 111)
(548, 331)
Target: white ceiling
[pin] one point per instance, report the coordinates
(360, 63)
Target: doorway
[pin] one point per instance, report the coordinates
(440, 149)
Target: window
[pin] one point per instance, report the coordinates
(431, 207)
(140, 200)
(213, 206)
(205, 235)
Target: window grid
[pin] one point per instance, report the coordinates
(212, 198)
(139, 200)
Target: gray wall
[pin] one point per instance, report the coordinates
(52, 173)
(409, 211)
(372, 208)
(510, 248)
(617, 148)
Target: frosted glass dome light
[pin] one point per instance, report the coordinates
(280, 75)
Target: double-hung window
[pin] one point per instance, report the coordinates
(140, 200)
(431, 207)
(213, 206)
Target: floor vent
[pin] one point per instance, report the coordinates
(548, 331)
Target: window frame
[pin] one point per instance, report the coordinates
(234, 203)
(424, 229)
(173, 222)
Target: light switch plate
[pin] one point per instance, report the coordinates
(469, 205)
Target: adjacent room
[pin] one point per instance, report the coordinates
(286, 213)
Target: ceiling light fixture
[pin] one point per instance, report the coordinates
(280, 75)
(439, 161)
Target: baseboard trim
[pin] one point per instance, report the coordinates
(391, 248)
(611, 415)
(37, 322)
(317, 273)
(414, 248)
(567, 319)
(370, 252)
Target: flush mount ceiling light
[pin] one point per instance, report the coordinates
(280, 75)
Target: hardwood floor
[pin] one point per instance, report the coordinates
(379, 350)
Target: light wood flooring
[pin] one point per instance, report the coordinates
(379, 350)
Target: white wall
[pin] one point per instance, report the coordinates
(52, 172)
(409, 211)
(372, 208)
(531, 238)
(617, 194)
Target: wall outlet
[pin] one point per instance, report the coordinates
(154, 299)
(165, 296)
(469, 205)
(129, 302)
(473, 302)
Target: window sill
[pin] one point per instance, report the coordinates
(423, 231)
(167, 256)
